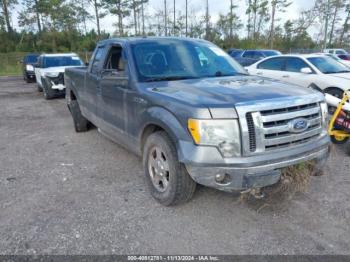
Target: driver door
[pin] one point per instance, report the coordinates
(113, 86)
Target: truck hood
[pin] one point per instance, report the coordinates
(223, 91)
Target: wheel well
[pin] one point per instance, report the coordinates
(148, 130)
(334, 88)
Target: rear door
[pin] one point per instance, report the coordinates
(272, 67)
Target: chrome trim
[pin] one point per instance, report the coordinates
(290, 115)
(292, 138)
(255, 107)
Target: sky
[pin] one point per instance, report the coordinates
(216, 7)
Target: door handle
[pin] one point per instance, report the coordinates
(259, 73)
(285, 76)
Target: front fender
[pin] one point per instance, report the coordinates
(163, 118)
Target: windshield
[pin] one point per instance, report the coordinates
(328, 65)
(169, 59)
(31, 59)
(56, 61)
(271, 53)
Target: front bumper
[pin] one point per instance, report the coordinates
(56, 83)
(256, 172)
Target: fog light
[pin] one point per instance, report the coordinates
(220, 177)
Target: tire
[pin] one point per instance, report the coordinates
(334, 92)
(49, 93)
(80, 122)
(338, 142)
(161, 164)
(40, 89)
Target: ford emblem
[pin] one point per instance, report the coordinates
(298, 125)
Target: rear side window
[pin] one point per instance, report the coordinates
(295, 65)
(97, 60)
(273, 64)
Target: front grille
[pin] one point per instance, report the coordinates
(58, 80)
(273, 129)
(251, 131)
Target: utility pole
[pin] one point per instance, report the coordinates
(143, 19)
(207, 21)
(174, 18)
(165, 19)
(231, 19)
(186, 18)
(326, 25)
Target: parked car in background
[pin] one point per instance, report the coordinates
(248, 57)
(28, 63)
(335, 57)
(233, 52)
(335, 51)
(195, 116)
(49, 72)
(317, 71)
(345, 57)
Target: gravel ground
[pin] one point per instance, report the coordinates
(68, 193)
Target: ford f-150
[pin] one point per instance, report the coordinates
(195, 116)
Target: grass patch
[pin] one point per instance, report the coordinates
(294, 179)
(10, 64)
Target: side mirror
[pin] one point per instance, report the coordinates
(306, 70)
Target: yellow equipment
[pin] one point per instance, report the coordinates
(338, 136)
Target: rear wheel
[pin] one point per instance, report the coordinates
(80, 122)
(167, 178)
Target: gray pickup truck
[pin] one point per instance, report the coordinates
(195, 116)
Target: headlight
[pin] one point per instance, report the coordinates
(51, 74)
(223, 134)
(324, 112)
(30, 68)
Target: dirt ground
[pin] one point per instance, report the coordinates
(68, 193)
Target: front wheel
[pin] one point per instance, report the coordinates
(49, 93)
(167, 178)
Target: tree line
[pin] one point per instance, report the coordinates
(65, 25)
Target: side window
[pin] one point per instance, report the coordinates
(273, 64)
(97, 60)
(114, 60)
(295, 65)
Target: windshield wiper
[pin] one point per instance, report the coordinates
(337, 72)
(220, 74)
(168, 78)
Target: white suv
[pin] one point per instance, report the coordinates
(49, 72)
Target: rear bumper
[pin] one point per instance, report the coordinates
(256, 173)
